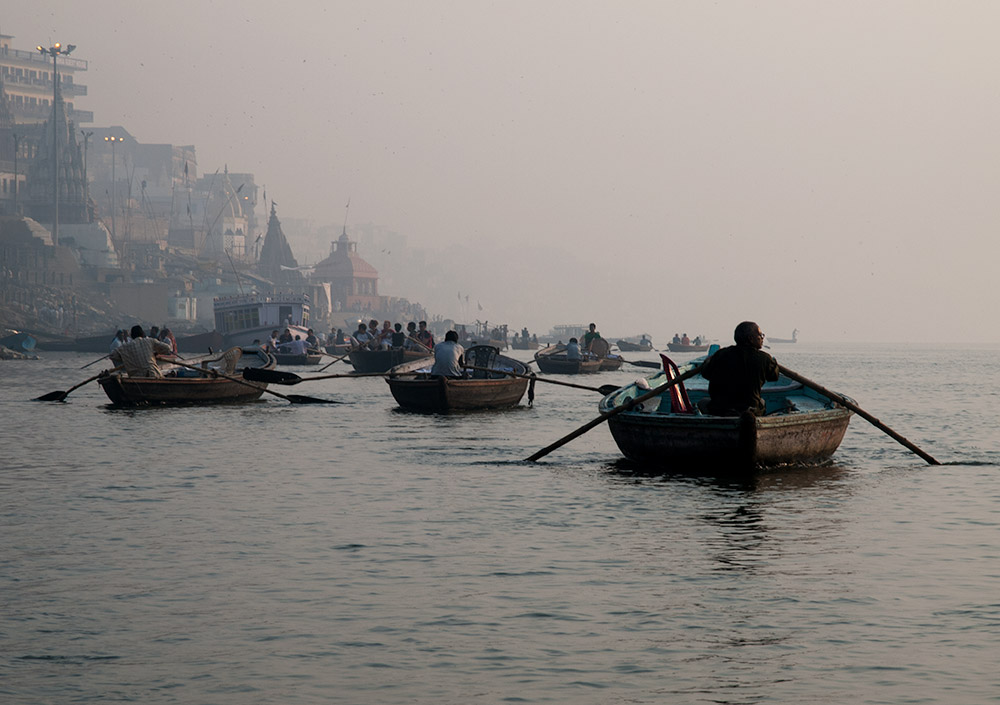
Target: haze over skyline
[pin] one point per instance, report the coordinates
(650, 166)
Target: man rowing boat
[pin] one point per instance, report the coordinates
(138, 356)
(736, 374)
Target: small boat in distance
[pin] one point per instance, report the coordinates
(414, 388)
(180, 385)
(801, 426)
(553, 360)
(644, 345)
(793, 339)
(686, 347)
(309, 358)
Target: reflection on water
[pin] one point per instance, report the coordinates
(358, 554)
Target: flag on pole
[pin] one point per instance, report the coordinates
(479, 305)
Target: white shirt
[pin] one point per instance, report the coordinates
(447, 356)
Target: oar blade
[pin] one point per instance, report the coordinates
(52, 396)
(644, 363)
(607, 389)
(255, 374)
(302, 399)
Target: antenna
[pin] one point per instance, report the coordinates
(347, 208)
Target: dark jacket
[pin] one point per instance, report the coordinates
(735, 376)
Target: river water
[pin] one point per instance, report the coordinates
(355, 553)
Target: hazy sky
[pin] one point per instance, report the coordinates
(652, 166)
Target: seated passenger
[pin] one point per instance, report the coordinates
(573, 350)
(449, 357)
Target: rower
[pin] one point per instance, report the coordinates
(736, 374)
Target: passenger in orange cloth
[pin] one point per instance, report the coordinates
(167, 336)
(685, 340)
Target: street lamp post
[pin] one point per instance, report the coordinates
(54, 51)
(86, 177)
(113, 140)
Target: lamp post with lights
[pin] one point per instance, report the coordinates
(54, 51)
(114, 184)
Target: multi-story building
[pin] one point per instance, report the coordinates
(27, 77)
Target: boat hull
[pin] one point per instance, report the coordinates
(626, 346)
(146, 391)
(688, 443)
(522, 345)
(382, 360)
(440, 394)
(610, 364)
(304, 359)
(553, 365)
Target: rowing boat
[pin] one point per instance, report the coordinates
(686, 347)
(415, 389)
(311, 358)
(602, 349)
(365, 360)
(553, 360)
(180, 385)
(801, 426)
(628, 346)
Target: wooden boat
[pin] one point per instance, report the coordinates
(553, 360)
(801, 426)
(414, 389)
(338, 349)
(310, 358)
(201, 342)
(628, 346)
(365, 360)
(183, 386)
(688, 348)
(522, 344)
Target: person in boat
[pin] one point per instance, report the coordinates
(411, 337)
(736, 374)
(138, 356)
(272, 343)
(167, 336)
(449, 357)
(573, 350)
(362, 339)
(297, 347)
(385, 335)
(697, 340)
(285, 337)
(121, 337)
(685, 340)
(676, 339)
(524, 334)
(373, 333)
(398, 338)
(154, 332)
(312, 342)
(425, 337)
(590, 336)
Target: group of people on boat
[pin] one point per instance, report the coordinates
(416, 337)
(685, 340)
(138, 354)
(577, 350)
(289, 344)
(164, 335)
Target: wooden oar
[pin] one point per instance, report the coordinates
(604, 389)
(61, 396)
(288, 378)
(614, 412)
(102, 357)
(844, 401)
(291, 398)
(644, 363)
(338, 359)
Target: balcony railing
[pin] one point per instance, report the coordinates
(38, 57)
(68, 87)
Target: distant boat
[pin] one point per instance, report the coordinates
(643, 345)
(793, 339)
(365, 360)
(689, 347)
(310, 358)
(247, 317)
(19, 342)
(553, 360)
(415, 389)
(523, 344)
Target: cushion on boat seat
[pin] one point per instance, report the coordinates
(230, 358)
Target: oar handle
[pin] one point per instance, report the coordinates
(844, 401)
(614, 412)
(539, 379)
